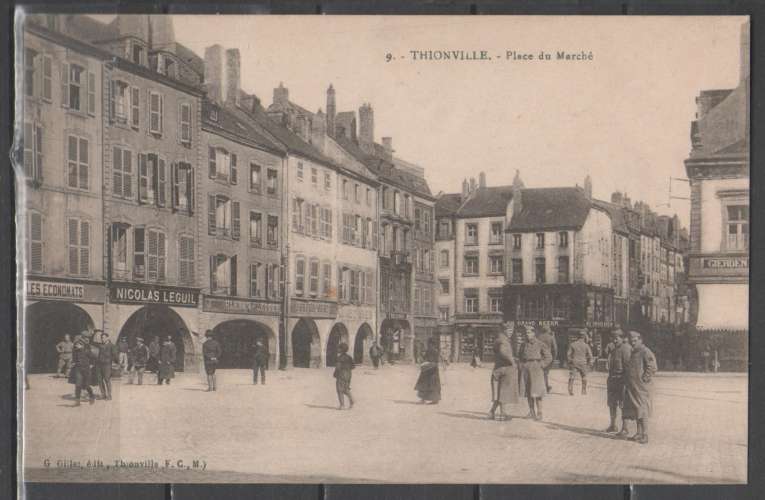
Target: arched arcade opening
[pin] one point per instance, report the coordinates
(153, 321)
(338, 334)
(306, 344)
(238, 338)
(45, 324)
(362, 343)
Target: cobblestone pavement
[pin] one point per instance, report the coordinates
(290, 431)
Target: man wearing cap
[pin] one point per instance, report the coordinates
(211, 352)
(107, 354)
(80, 374)
(124, 348)
(618, 358)
(64, 350)
(579, 358)
(533, 355)
(638, 387)
(167, 353)
(259, 363)
(548, 338)
(140, 355)
(504, 377)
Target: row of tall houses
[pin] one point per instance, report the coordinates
(718, 169)
(161, 199)
(553, 257)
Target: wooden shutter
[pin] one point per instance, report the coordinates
(154, 177)
(190, 187)
(65, 85)
(74, 258)
(139, 174)
(213, 262)
(161, 254)
(36, 242)
(235, 222)
(161, 182)
(112, 103)
(234, 175)
(174, 188)
(233, 274)
(161, 113)
(91, 93)
(151, 255)
(211, 215)
(117, 188)
(211, 162)
(84, 248)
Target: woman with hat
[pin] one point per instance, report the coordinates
(534, 355)
(428, 384)
(211, 351)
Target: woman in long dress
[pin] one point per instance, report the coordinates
(428, 384)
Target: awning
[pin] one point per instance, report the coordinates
(723, 307)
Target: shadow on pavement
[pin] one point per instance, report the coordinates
(583, 430)
(322, 407)
(675, 477)
(403, 402)
(465, 415)
(198, 389)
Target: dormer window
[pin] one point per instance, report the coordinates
(137, 54)
(213, 114)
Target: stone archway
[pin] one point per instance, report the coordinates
(338, 334)
(238, 337)
(45, 324)
(362, 343)
(158, 321)
(306, 344)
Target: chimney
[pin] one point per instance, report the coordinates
(517, 194)
(388, 146)
(331, 111)
(214, 72)
(233, 76)
(472, 184)
(482, 180)
(301, 127)
(318, 130)
(517, 182)
(281, 95)
(465, 189)
(588, 187)
(366, 128)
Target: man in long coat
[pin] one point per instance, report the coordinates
(504, 377)
(154, 348)
(259, 363)
(548, 338)
(167, 354)
(107, 354)
(619, 354)
(533, 355)
(211, 352)
(579, 358)
(140, 358)
(80, 374)
(638, 387)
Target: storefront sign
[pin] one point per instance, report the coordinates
(722, 266)
(313, 308)
(64, 290)
(360, 313)
(139, 293)
(539, 323)
(725, 263)
(599, 324)
(479, 318)
(240, 306)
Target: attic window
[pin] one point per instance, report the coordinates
(214, 114)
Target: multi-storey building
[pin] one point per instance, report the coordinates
(62, 99)
(447, 206)
(718, 169)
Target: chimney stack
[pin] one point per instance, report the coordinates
(465, 189)
(588, 187)
(388, 145)
(331, 111)
(318, 130)
(233, 76)
(281, 94)
(517, 192)
(214, 73)
(366, 128)
(482, 180)
(517, 182)
(472, 184)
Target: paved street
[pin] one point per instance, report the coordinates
(289, 430)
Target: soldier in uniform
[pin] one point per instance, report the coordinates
(140, 358)
(107, 354)
(579, 358)
(80, 374)
(548, 338)
(533, 355)
(259, 363)
(166, 361)
(618, 358)
(211, 352)
(64, 350)
(637, 387)
(504, 377)
(343, 374)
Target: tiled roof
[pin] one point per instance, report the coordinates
(551, 208)
(448, 204)
(617, 215)
(230, 121)
(191, 58)
(486, 202)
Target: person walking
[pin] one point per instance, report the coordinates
(579, 358)
(211, 353)
(167, 354)
(504, 377)
(140, 357)
(80, 374)
(259, 363)
(124, 349)
(428, 384)
(375, 353)
(618, 359)
(343, 372)
(64, 350)
(547, 337)
(638, 387)
(533, 355)
(107, 354)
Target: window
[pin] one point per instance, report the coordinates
(183, 186)
(223, 271)
(214, 114)
(496, 233)
(417, 219)
(139, 253)
(357, 193)
(396, 203)
(152, 180)
(256, 229)
(444, 260)
(342, 285)
(222, 165)
(119, 250)
(223, 217)
(517, 271)
(444, 229)
(78, 88)
(561, 306)
(737, 225)
(314, 277)
(345, 189)
(444, 286)
(185, 120)
(254, 287)
(427, 301)
(186, 260)
(471, 234)
(30, 64)
(326, 223)
(327, 181)
(233, 169)
(156, 111)
(495, 304)
(79, 247)
(300, 172)
(471, 301)
(155, 255)
(122, 168)
(135, 107)
(137, 54)
(369, 197)
(496, 264)
(272, 231)
(255, 179)
(326, 279)
(91, 93)
(539, 270)
(299, 275)
(354, 285)
(563, 269)
(33, 154)
(35, 242)
(416, 303)
(517, 241)
(471, 264)
(386, 198)
(407, 209)
(540, 240)
(443, 313)
(77, 163)
(272, 182)
(314, 177)
(563, 239)
(119, 105)
(426, 216)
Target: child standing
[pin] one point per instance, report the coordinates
(343, 367)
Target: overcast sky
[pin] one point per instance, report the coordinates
(623, 117)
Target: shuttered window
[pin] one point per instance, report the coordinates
(156, 255)
(135, 107)
(183, 181)
(186, 260)
(185, 119)
(122, 168)
(79, 246)
(314, 276)
(139, 253)
(78, 164)
(35, 242)
(156, 110)
(33, 152)
(254, 287)
(299, 275)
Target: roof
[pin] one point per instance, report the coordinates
(88, 29)
(551, 208)
(616, 212)
(447, 204)
(190, 57)
(486, 202)
(231, 122)
(723, 130)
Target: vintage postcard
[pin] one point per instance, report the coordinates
(390, 249)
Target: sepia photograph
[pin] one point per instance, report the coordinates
(382, 249)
